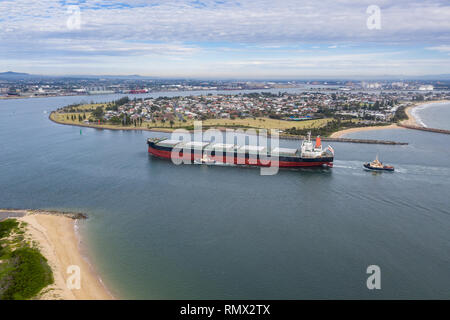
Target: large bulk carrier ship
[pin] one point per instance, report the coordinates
(309, 154)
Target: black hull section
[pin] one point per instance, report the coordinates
(369, 167)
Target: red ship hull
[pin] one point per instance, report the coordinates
(241, 160)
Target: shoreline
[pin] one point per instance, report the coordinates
(168, 130)
(142, 94)
(108, 127)
(340, 133)
(55, 235)
(411, 121)
(35, 97)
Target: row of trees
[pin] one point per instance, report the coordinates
(329, 128)
(400, 114)
(114, 106)
(78, 117)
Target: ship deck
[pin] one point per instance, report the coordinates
(227, 149)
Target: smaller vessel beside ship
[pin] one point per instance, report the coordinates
(376, 165)
(205, 160)
(308, 155)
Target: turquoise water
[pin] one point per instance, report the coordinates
(159, 231)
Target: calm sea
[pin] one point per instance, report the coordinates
(157, 230)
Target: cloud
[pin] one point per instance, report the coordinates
(261, 21)
(114, 47)
(216, 32)
(441, 48)
(337, 64)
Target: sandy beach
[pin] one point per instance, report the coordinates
(57, 240)
(411, 121)
(339, 134)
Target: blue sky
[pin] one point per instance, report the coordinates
(226, 39)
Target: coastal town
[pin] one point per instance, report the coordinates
(292, 113)
(24, 85)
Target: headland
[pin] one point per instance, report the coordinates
(54, 235)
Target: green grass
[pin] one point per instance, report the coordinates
(64, 115)
(24, 271)
(6, 226)
(330, 127)
(30, 275)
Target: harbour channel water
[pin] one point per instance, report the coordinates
(161, 231)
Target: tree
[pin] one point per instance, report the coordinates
(98, 113)
(115, 120)
(125, 119)
(377, 105)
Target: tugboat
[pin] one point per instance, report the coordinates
(377, 165)
(205, 160)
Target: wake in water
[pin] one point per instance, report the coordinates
(347, 164)
(413, 170)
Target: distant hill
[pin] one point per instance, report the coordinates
(13, 75)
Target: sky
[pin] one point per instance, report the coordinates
(238, 39)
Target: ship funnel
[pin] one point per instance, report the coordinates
(318, 142)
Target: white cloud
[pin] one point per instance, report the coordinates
(442, 48)
(215, 34)
(259, 22)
